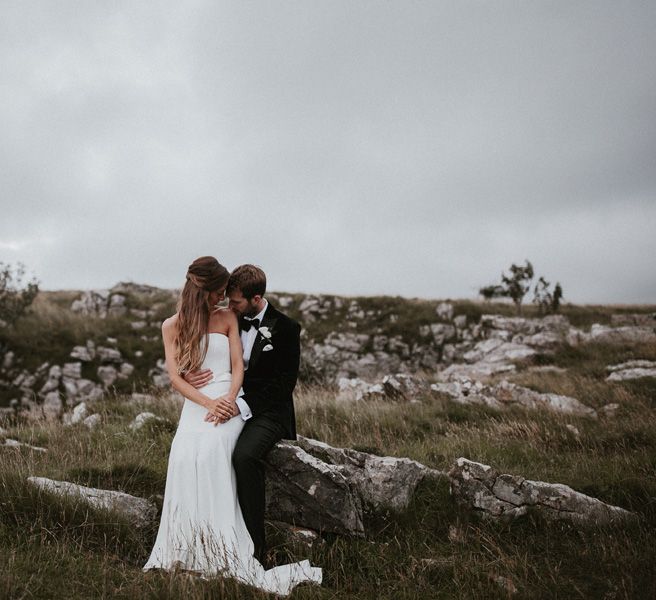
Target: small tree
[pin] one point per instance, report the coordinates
(542, 296)
(14, 297)
(518, 283)
(557, 296)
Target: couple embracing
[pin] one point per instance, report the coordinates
(236, 368)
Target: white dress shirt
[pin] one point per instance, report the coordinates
(248, 341)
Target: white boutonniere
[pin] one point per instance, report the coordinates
(266, 334)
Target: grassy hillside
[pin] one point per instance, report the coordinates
(52, 548)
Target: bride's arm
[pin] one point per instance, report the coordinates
(177, 382)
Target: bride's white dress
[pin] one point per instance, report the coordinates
(202, 528)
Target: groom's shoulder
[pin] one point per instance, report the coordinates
(284, 319)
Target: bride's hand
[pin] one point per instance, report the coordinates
(220, 409)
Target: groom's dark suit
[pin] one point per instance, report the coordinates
(268, 384)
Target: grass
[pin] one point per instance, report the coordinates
(54, 548)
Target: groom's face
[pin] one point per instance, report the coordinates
(243, 307)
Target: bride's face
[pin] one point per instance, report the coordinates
(216, 296)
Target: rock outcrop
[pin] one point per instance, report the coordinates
(494, 495)
(138, 511)
(632, 369)
(505, 394)
(319, 486)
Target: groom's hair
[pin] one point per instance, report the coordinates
(250, 279)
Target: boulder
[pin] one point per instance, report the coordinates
(506, 393)
(142, 418)
(109, 355)
(495, 350)
(92, 421)
(622, 335)
(316, 485)
(72, 370)
(52, 405)
(138, 511)
(92, 303)
(444, 311)
(501, 496)
(117, 306)
(84, 353)
(9, 443)
(107, 374)
(125, 370)
(479, 370)
(8, 361)
(632, 369)
(639, 319)
(442, 332)
(80, 412)
(305, 491)
(402, 386)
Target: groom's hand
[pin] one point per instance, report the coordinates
(198, 378)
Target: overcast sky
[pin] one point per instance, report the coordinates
(356, 147)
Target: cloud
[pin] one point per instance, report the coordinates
(348, 147)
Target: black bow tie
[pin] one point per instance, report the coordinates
(246, 324)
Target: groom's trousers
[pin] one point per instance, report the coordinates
(259, 435)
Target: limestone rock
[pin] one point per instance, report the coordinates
(80, 412)
(444, 311)
(305, 491)
(639, 319)
(84, 353)
(117, 306)
(107, 374)
(72, 370)
(9, 443)
(8, 361)
(402, 386)
(316, 485)
(92, 421)
(482, 488)
(142, 418)
(622, 335)
(108, 355)
(478, 370)
(92, 303)
(52, 405)
(495, 350)
(125, 370)
(139, 511)
(632, 369)
(506, 393)
(609, 410)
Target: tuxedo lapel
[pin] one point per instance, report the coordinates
(268, 320)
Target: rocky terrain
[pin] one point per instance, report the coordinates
(364, 348)
(445, 447)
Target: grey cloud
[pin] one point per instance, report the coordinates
(349, 147)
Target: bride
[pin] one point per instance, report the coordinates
(202, 528)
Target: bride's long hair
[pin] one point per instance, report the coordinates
(204, 275)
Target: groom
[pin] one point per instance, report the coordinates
(271, 343)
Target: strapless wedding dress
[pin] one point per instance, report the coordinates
(202, 528)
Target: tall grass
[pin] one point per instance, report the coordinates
(52, 547)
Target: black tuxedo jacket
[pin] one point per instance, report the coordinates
(271, 375)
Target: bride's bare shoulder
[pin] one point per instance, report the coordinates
(223, 315)
(169, 324)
